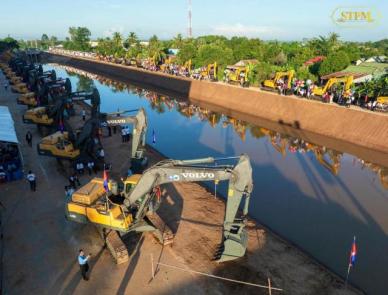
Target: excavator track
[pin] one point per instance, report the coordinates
(115, 245)
(162, 233)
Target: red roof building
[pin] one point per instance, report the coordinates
(314, 60)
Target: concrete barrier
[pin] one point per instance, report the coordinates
(355, 127)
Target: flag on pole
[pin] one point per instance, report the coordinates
(106, 187)
(153, 136)
(353, 253)
(61, 126)
(352, 258)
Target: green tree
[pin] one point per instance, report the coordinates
(131, 40)
(44, 41)
(334, 62)
(53, 41)
(156, 50)
(186, 52)
(177, 42)
(8, 43)
(79, 38)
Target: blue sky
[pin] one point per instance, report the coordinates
(268, 20)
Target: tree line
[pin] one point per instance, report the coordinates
(271, 56)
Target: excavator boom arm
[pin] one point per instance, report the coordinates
(139, 129)
(235, 236)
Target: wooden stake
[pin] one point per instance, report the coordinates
(152, 266)
(269, 286)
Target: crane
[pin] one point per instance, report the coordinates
(140, 199)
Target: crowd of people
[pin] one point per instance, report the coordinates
(335, 94)
(10, 162)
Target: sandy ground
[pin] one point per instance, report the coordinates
(40, 247)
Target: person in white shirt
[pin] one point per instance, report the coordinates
(32, 180)
(83, 113)
(123, 132)
(101, 154)
(90, 167)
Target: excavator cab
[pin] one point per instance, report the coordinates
(27, 99)
(272, 84)
(90, 203)
(37, 116)
(58, 145)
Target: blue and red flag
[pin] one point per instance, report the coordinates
(353, 253)
(106, 187)
(352, 258)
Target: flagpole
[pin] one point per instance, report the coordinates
(347, 276)
(351, 261)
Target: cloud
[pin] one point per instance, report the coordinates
(239, 29)
(109, 32)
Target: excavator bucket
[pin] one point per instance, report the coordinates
(234, 244)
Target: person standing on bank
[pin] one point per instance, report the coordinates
(32, 180)
(83, 264)
(29, 138)
(83, 113)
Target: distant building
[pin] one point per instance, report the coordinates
(245, 62)
(373, 59)
(173, 51)
(364, 71)
(93, 44)
(314, 60)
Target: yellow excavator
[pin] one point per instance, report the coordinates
(237, 74)
(186, 69)
(51, 114)
(279, 78)
(131, 205)
(382, 101)
(40, 91)
(335, 157)
(318, 92)
(167, 62)
(69, 146)
(278, 141)
(206, 73)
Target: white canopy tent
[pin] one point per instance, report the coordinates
(7, 128)
(10, 164)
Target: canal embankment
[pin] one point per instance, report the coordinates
(355, 131)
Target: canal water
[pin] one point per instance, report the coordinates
(317, 198)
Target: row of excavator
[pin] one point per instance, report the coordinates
(129, 205)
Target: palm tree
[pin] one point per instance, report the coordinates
(177, 42)
(131, 40)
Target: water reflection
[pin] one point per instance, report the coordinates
(282, 143)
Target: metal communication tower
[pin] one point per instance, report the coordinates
(189, 28)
